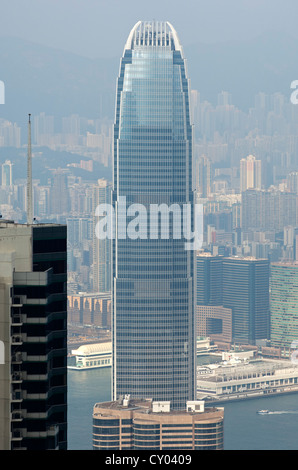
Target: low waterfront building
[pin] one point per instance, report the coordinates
(244, 379)
(92, 356)
(145, 425)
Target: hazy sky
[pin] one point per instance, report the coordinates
(99, 28)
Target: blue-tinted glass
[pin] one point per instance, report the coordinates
(153, 284)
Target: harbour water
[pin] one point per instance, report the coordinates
(244, 429)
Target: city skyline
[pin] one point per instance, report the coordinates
(199, 112)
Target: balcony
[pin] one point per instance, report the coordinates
(16, 319)
(17, 395)
(17, 416)
(17, 358)
(16, 340)
(17, 377)
(37, 377)
(53, 430)
(17, 302)
(17, 434)
(37, 396)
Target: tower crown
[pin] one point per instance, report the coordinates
(153, 33)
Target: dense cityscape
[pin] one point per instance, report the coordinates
(181, 333)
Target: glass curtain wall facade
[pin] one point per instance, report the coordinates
(153, 277)
(284, 304)
(246, 292)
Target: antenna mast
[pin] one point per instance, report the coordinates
(29, 176)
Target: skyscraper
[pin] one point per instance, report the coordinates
(33, 330)
(209, 279)
(101, 194)
(153, 277)
(246, 292)
(250, 173)
(292, 182)
(284, 304)
(59, 193)
(204, 176)
(7, 173)
(212, 319)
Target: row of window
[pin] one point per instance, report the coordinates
(99, 362)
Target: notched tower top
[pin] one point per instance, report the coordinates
(153, 33)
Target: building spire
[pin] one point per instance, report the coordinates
(29, 176)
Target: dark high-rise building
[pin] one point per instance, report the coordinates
(209, 279)
(153, 277)
(212, 319)
(246, 292)
(33, 328)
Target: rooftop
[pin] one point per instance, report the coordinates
(87, 349)
(153, 33)
(148, 406)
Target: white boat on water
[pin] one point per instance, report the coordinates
(263, 412)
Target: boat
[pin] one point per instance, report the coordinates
(263, 412)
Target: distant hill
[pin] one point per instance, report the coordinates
(39, 78)
(267, 64)
(45, 159)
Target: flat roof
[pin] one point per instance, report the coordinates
(145, 406)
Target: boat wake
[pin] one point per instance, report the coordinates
(267, 412)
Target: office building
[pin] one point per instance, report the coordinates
(212, 319)
(33, 330)
(153, 277)
(44, 128)
(147, 425)
(59, 193)
(7, 173)
(268, 210)
(224, 98)
(79, 229)
(90, 309)
(203, 176)
(10, 134)
(284, 304)
(246, 292)
(101, 194)
(209, 279)
(215, 322)
(292, 182)
(250, 173)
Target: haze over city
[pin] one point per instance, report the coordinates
(125, 106)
